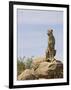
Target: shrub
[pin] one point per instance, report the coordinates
(20, 67)
(28, 63)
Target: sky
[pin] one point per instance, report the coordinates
(32, 28)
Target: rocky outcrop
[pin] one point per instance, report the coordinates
(43, 69)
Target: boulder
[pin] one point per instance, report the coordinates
(49, 70)
(27, 74)
(37, 61)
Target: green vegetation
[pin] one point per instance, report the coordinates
(28, 63)
(20, 67)
(23, 64)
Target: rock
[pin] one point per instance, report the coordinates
(44, 70)
(27, 75)
(41, 71)
(49, 70)
(37, 61)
